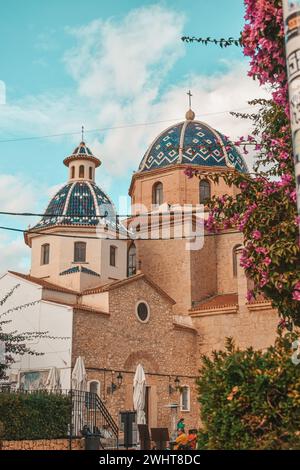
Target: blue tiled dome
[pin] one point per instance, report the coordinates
(191, 142)
(79, 204)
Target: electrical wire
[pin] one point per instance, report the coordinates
(189, 237)
(125, 126)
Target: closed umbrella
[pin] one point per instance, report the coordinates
(139, 393)
(79, 375)
(53, 383)
(79, 387)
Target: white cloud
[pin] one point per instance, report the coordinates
(124, 59)
(14, 254)
(17, 193)
(119, 67)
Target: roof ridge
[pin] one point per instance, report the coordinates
(44, 283)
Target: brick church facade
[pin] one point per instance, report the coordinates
(122, 301)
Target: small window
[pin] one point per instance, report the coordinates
(81, 171)
(73, 172)
(131, 260)
(112, 255)
(45, 253)
(185, 399)
(94, 389)
(235, 260)
(91, 173)
(143, 312)
(204, 189)
(157, 194)
(94, 386)
(79, 252)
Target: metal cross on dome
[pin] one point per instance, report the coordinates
(189, 93)
(82, 133)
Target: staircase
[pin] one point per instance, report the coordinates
(91, 415)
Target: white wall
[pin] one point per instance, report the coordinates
(44, 316)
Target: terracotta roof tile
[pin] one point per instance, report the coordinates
(222, 300)
(43, 283)
(76, 306)
(128, 280)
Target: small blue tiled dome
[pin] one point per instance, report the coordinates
(80, 203)
(191, 142)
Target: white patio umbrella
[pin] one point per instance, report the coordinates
(79, 375)
(53, 383)
(79, 384)
(139, 393)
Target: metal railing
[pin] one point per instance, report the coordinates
(91, 417)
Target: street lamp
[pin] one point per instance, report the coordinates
(114, 386)
(173, 389)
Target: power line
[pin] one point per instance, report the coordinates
(125, 126)
(94, 216)
(189, 237)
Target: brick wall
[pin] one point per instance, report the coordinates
(120, 342)
(43, 444)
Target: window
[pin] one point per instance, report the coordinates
(131, 260)
(94, 386)
(143, 311)
(157, 194)
(72, 172)
(204, 189)
(81, 171)
(185, 398)
(112, 255)
(45, 253)
(91, 173)
(235, 260)
(94, 389)
(79, 252)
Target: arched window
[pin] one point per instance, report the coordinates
(112, 255)
(131, 260)
(235, 259)
(91, 173)
(94, 386)
(72, 172)
(81, 171)
(157, 194)
(45, 253)
(79, 252)
(204, 191)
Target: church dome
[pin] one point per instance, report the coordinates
(81, 203)
(191, 142)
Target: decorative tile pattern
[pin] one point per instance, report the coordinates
(201, 146)
(77, 269)
(83, 206)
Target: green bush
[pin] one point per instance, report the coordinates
(250, 399)
(34, 416)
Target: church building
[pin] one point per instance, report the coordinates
(119, 300)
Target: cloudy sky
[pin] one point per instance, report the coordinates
(118, 64)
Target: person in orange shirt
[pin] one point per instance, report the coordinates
(181, 440)
(192, 439)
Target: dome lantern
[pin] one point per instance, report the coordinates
(82, 163)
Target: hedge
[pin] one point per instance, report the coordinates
(34, 415)
(250, 399)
